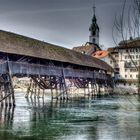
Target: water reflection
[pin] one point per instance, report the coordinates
(81, 119)
(6, 121)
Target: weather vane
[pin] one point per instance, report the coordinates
(94, 9)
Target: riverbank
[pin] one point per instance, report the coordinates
(84, 92)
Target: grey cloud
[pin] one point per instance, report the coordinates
(64, 22)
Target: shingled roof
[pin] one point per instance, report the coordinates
(17, 44)
(126, 44)
(131, 43)
(88, 48)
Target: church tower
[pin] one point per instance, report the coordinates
(94, 30)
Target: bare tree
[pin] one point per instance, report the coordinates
(127, 26)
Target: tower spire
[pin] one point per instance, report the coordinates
(94, 29)
(94, 8)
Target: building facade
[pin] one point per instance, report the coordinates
(128, 62)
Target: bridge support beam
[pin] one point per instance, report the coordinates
(6, 90)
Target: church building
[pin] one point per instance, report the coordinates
(92, 45)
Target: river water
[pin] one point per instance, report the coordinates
(106, 118)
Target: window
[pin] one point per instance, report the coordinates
(126, 57)
(125, 76)
(125, 70)
(130, 76)
(93, 40)
(137, 76)
(132, 56)
(110, 61)
(133, 70)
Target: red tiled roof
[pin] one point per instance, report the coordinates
(100, 54)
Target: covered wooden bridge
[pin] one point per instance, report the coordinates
(48, 66)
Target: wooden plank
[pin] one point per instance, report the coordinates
(5, 97)
(20, 68)
(11, 83)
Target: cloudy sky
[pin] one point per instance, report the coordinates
(62, 22)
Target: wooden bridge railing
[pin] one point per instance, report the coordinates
(19, 69)
(47, 77)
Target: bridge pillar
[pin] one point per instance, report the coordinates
(7, 90)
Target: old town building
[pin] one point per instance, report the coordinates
(128, 60)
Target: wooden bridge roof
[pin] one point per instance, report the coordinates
(17, 44)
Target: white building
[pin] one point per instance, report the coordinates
(128, 59)
(105, 56)
(110, 58)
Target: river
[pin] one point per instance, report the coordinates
(106, 118)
